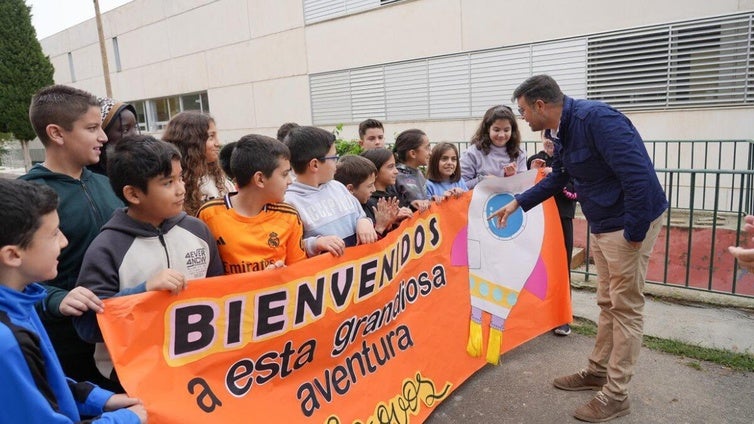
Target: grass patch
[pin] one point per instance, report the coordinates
(732, 360)
(584, 327)
(695, 365)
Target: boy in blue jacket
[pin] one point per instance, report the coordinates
(34, 388)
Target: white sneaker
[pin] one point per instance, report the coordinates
(563, 330)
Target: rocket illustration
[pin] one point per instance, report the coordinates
(500, 260)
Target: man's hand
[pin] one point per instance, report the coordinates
(169, 280)
(501, 215)
(635, 244)
(80, 300)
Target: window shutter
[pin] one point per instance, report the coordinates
(368, 93)
(449, 91)
(330, 97)
(494, 76)
(565, 61)
(407, 91)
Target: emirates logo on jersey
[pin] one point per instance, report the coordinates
(274, 240)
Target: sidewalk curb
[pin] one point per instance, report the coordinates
(684, 318)
(680, 294)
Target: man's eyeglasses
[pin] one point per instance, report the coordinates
(333, 157)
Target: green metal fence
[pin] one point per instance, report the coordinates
(710, 188)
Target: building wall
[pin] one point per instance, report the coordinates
(254, 57)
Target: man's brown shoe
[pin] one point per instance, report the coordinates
(582, 380)
(602, 408)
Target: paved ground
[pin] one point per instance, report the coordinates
(698, 324)
(665, 389)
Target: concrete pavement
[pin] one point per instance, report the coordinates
(697, 324)
(665, 388)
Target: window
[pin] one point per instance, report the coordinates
(689, 64)
(141, 115)
(70, 67)
(116, 53)
(407, 91)
(320, 10)
(456, 86)
(191, 102)
(330, 97)
(153, 115)
(491, 87)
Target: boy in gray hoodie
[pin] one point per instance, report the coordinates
(332, 218)
(149, 245)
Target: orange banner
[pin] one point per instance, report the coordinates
(376, 336)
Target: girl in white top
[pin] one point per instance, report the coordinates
(195, 135)
(495, 149)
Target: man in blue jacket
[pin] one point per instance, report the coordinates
(623, 201)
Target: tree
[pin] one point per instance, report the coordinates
(24, 69)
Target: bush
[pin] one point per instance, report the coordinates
(345, 147)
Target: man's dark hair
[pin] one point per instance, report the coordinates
(307, 143)
(24, 205)
(539, 87)
(369, 123)
(354, 170)
(256, 153)
(60, 105)
(137, 159)
(285, 129)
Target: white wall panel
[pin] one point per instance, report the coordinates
(273, 16)
(282, 100)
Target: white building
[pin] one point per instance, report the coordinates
(681, 70)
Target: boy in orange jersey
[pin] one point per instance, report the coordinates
(253, 228)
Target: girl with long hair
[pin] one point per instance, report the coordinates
(195, 135)
(495, 149)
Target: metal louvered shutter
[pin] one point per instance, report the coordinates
(565, 61)
(494, 76)
(368, 93)
(407, 91)
(319, 10)
(330, 97)
(690, 64)
(449, 91)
